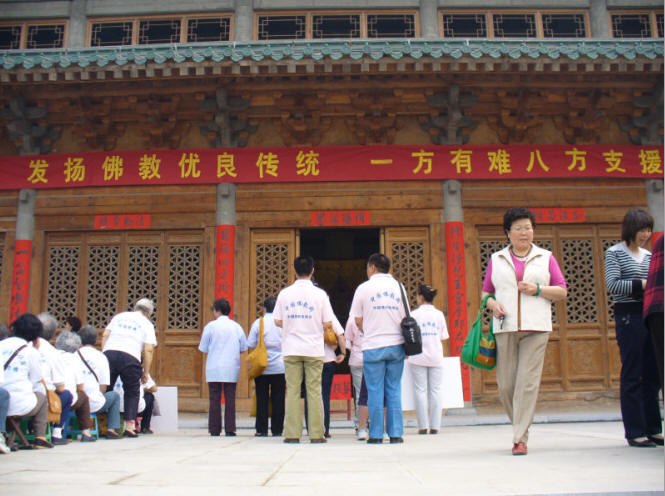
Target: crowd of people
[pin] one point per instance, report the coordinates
(45, 384)
(521, 282)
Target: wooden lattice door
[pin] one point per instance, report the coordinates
(408, 250)
(96, 275)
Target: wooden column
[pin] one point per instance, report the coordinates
(225, 242)
(25, 227)
(456, 275)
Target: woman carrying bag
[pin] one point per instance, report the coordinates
(525, 280)
(271, 384)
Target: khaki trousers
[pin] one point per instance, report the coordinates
(294, 367)
(519, 366)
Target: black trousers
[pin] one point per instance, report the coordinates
(146, 415)
(130, 371)
(654, 323)
(270, 390)
(639, 377)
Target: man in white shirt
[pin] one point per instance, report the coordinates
(128, 335)
(97, 379)
(378, 310)
(303, 311)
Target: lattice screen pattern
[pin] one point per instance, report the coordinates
(272, 269)
(143, 274)
(102, 284)
(408, 267)
(63, 276)
(184, 287)
(577, 266)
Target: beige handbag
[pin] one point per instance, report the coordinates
(258, 357)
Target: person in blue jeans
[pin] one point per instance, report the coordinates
(378, 309)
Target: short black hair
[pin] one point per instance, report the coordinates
(74, 322)
(304, 265)
(269, 303)
(428, 293)
(222, 306)
(4, 331)
(380, 261)
(517, 213)
(634, 221)
(27, 326)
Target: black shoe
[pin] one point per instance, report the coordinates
(374, 440)
(261, 434)
(130, 434)
(230, 434)
(327, 435)
(645, 443)
(291, 440)
(59, 441)
(657, 440)
(147, 430)
(396, 440)
(276, 434)
(320, 440)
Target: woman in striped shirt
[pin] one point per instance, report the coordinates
(626, 269)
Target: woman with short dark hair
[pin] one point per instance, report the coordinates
(626, 270)
(524, 279)
(22, 373)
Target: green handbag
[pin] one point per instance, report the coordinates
(480, 351)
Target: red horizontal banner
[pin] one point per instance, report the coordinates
(559, 215)
(132, 221)
(329, 163)
(341, 218)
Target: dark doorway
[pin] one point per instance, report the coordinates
(340, 261)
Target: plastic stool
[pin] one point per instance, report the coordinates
(74, 430)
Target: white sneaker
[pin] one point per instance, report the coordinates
(3, 445)
(362, 435)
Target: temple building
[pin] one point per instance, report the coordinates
(185, 151)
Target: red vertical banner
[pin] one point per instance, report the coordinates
(20, 278)
(225, 263)
(456, 276)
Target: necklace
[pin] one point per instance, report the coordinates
(520, 257)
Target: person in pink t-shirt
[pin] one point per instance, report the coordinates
(303, 311)
(378, 309)
(427, 367)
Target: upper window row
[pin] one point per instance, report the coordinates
(325, 25)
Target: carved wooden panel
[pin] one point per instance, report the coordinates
(408, 250)
(577, 266)
(102, 285)
(184, 287)
(142, 274)
(62, 278)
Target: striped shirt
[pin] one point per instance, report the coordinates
(624, 273)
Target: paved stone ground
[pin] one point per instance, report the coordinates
(564, 458)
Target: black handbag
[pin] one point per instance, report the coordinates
(413, 340)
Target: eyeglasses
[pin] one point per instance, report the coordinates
(522, 228)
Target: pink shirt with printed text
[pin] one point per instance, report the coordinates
(303, 308)
(379, 303)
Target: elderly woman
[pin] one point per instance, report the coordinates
(97, 379)
(22, 372)
(53, 372)
(68, 342)
(524, 280)
(427, 367)
(626, 270)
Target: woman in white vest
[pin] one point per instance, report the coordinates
(525, 280)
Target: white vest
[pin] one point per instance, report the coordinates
(524, 312)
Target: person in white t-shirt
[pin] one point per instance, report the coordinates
(303, 311)
(53, 372)
(378, 310)
(22, 373)
(427, 367)
(4, 406)
(354, 340)
(97, 379)
(68, 342)
(128, 335)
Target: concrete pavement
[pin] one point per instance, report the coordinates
(564, 458)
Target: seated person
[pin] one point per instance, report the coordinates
(22, 372)
(96, 380)
(68, 343)
(148, 389)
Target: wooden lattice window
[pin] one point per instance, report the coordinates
(184, 286)
(324, 25)
(102, 288)
(62, 281)
(636, 24)
(151, 30)
(408, 250)
(578, 269)
(272, 271)
(463, 23)
(142, 274)
(32, 35)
